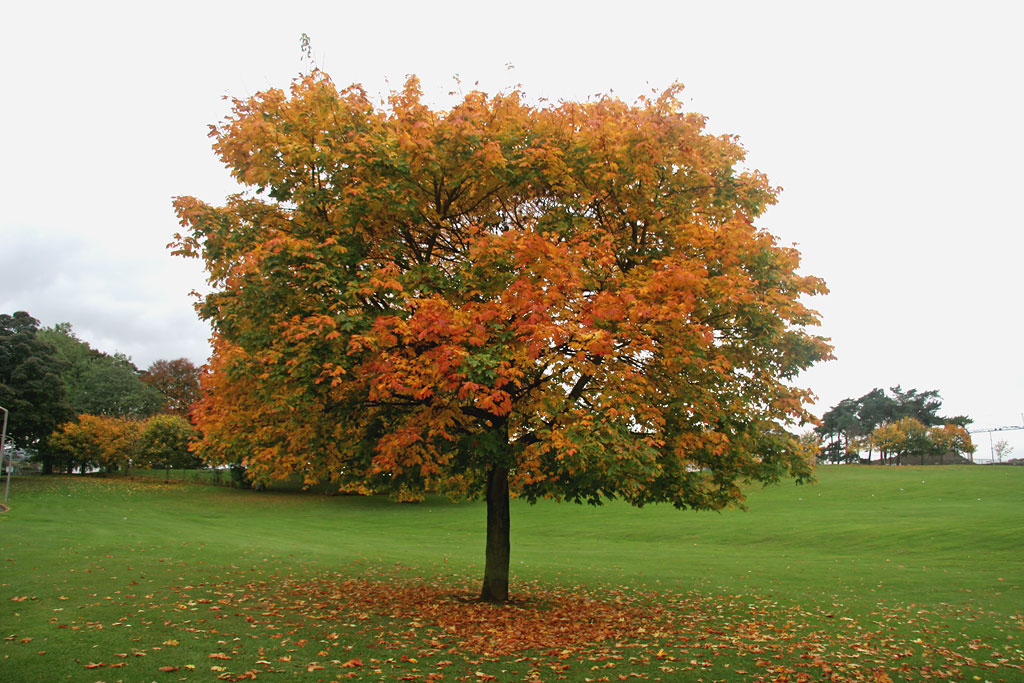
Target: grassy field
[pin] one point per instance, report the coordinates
(872, 574)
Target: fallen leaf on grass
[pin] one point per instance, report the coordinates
(560, 630)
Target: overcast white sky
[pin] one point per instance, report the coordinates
(895, 129)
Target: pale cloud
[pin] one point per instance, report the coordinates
(137, 305)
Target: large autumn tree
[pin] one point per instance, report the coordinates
(569, 301)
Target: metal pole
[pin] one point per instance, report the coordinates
(3, 440)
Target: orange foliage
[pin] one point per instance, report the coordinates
(407, 298)
(97, 440)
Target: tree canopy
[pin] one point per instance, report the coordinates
(569, 301)
(164, 442)
(99, 383)
(94, 441)
(31, 388)
(161, 441)
(902, 422)
(177, 380)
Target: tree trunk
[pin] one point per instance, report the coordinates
(495, 588)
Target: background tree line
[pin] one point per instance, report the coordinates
(76, 407)
(892, 428)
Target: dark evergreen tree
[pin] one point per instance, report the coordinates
(846, 426)
(31, 385)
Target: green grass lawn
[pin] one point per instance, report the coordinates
(872, 574)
